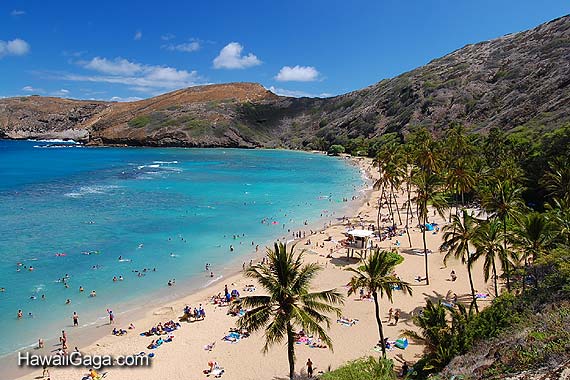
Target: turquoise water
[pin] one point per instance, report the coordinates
(169, 209)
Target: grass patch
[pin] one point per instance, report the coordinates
(140, 121)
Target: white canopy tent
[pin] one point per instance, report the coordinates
(360, 237)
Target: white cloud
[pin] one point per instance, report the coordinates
(139, 77)
(137, 36)
(297, 74)
(127, 99)
(117, 66)
(62, 92)
(231, 57)
(14, 47)
(17, 12)
(33, 89)
(186, 47)
(297, 93)
(167, 37)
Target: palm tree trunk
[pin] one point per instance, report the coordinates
(291, 350)
(471, 281)
(397, 208)
(379, 322)
(379, 209)
(425, 247)
(507, 271)
(495, 279)
(390, 209)
(408, 210)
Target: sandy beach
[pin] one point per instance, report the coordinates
(185, 357)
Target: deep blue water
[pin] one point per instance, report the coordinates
(169, 209)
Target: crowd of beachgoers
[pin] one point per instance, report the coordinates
(193, 326)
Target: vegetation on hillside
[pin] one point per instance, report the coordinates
(519, 185)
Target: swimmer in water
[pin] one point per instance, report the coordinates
(68, 302)
(20, 314)
(93, 294)
(81, 288)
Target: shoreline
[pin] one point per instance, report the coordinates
(90, 334)
(185, 357)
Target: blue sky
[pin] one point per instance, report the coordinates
(121, 50)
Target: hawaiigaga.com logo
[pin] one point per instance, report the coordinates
(77, 359)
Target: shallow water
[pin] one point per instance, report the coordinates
(169, 209)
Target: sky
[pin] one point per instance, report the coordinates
(127, 50)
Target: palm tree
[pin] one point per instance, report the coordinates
(557, 179)
(457, 236)
(375, 276)
(488, 244)
(289, 303)
(442, 331)
(558, 214)
(533, 237)
(504, 201)
(427, 193)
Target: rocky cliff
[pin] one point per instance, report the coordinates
(517, 80)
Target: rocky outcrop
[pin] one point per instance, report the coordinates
(517, 80)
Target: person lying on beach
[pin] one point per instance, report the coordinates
(119, 332)
(347, 321)
(209, 346)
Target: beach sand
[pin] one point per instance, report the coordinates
(185, 357)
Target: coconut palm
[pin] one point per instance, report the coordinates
(288, 303)
(488, 242)
(428, 192)
(503, 200)
(533, 237)
(442, 330)
(557, 179)
(375, 276)
(558, 213)
(457, 236)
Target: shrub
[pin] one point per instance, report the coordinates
(335, 150)
(363, 369)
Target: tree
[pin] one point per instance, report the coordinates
(488, 244)
(557, 179)
(289, 303)
(428, 188)
(457, 236)
(533, 237)
(375, 276)
(336, 149)
(442, 330)
(503, 200)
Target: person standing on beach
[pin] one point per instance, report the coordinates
(309, 368)
(390, 313)
(396, 316)
(111, 316)
(75, 319)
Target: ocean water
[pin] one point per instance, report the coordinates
(167, 210)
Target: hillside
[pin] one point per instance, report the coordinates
(517, 80)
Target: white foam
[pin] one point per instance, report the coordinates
(95, 189)
(165, 162)
(55, 141)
